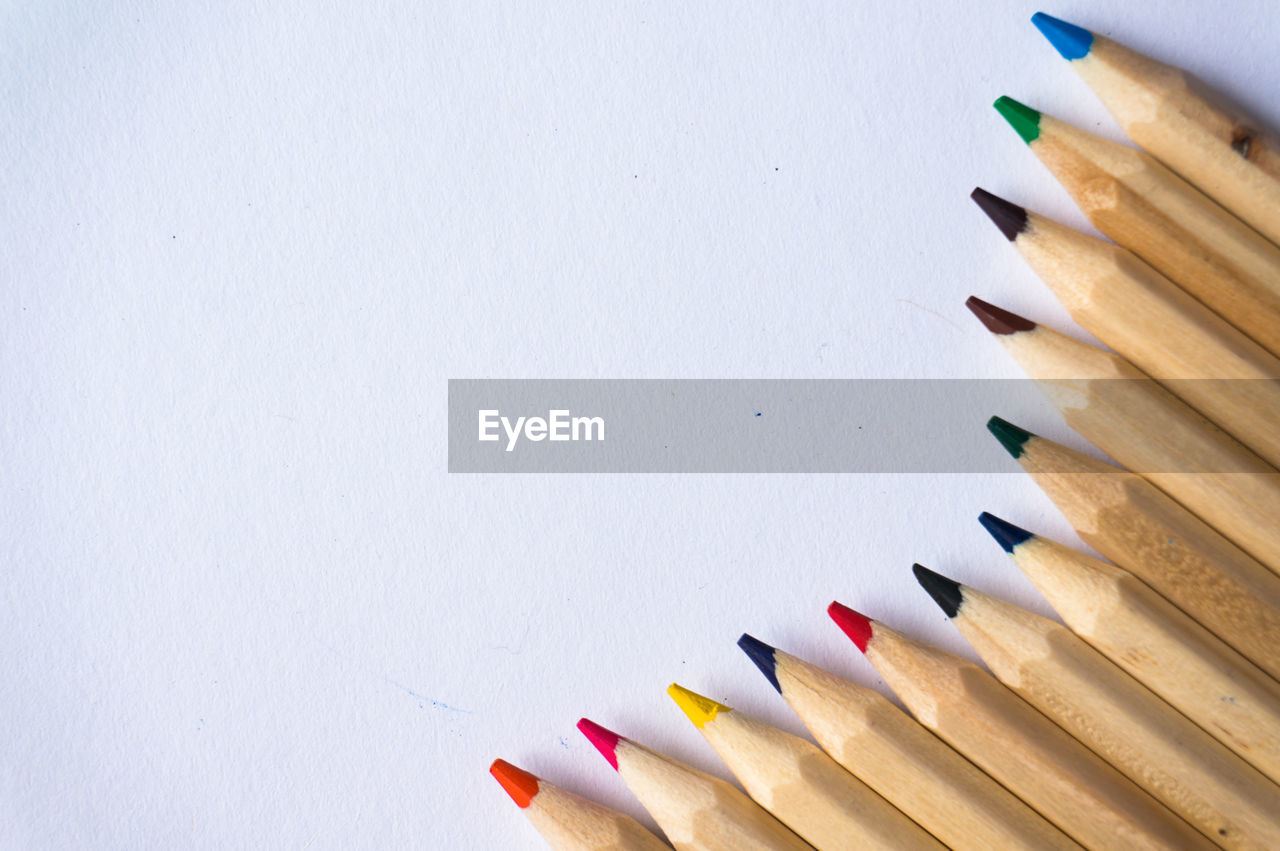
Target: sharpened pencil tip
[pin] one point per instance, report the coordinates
(606, 741)
(945, 592)
(855, 625)
(1009, 217)
(1071, 41)
(700, 710)
(1021, 118)
(997, 319)
(519, 784)
(1012, 438)
(762, 655)
(1006, 534)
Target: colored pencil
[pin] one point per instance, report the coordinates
(569, 822)
(803, 787)
(1114, 405)
(695, 810)
(1171, 114)
(1115, 716)
(1020, 748)
(1137, 526)
(1145, 318)
(1166, 221)
(911, 767)
(1147, 636)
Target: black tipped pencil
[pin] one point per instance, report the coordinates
(1116, 717)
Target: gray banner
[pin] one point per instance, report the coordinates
(734, 426)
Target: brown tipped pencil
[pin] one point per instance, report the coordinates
(1137, 526)
(911, 767)
(1166, 221)
(1020, 748)
(1145, 318)
(695, 810)
(803, 787)
(1171, 114)
(1164, 649)
(569, 822)
(1144, 427)
(1115, 716)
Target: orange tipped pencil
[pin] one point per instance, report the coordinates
(1142, 205)
(1147, 429)
(803, 787)
(1159, 645)
(911, 767)
(1142, 530)
(695, 810)
(1020, 748)
(1115, 716)
(1171, 114)
(569, 822)
(1145, 318)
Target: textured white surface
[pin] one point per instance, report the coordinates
(245, 247)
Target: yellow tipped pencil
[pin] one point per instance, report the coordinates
(1145, 318)
(1020, 748)
(912, 768)
(1171, 114)
(696, 811)
(803, 787)
(1137, 526)
(1164, 649)
(1144, 427)
(1115, 716)
(1166, 221)
(569, 822)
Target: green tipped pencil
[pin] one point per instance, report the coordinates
(1163, 219)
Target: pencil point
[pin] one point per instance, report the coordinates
(1021, 117)
(606, 741)
(762, 655)
(520, 785)
(1071, 41)
(945, 592)
(699, 709)
(1006, 534)
(1012, 438)
(1009, 217)
(855, 625)
(997, 319)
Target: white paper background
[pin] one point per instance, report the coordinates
(246, 246)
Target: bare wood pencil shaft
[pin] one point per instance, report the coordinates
(1108, 711)
(1164, 649)
(571, 823)
(1147, 429)
(1138, 527)
(1024, 751)
(1162, 330)
(909, 766)
(1170, 224)
(1173, 115)
(800, 785)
